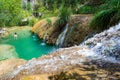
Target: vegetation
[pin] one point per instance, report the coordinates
(12, 13)
(66, 76)
(108, 16)
(102, 20)
(49, 21)
(64, 16)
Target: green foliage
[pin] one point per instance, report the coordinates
(50, 4)
(108, 15)
(29, 8)
(110, 4)
(49, 21)
(32, 21)
(10, 12)
(87, 9)
(102, 20)
(64, 15)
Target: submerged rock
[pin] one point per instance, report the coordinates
(7, 52)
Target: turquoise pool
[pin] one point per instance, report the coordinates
(28, 45)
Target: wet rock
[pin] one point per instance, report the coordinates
(106, 43)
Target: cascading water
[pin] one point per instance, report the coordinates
(44, 39)
(61, 37)
(106, 43)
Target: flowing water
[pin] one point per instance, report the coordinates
(106, 43)
(61, 37)
(28, 45)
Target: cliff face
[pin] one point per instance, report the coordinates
(78, 29)
(47, 30)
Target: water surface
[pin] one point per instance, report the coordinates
(28, 45)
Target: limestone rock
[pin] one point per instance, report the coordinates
(44, 27)
(78, 29)
(9, 65)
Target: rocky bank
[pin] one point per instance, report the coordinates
(86, 61)
(78, 28)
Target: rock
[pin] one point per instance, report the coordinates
(7, 52)
(44, 27)
(9, 65)
(78, 29)
(36, 77)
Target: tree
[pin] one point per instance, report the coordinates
(10, 12)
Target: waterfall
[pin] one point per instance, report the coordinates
(44, 38)
(61, 37)
(106, 43)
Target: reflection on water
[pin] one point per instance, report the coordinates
(28, 45)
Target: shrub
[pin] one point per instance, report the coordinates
(49, 21)
(64, 16)
(103, 19)
(87, 9)
(10, 12)
(32, 21)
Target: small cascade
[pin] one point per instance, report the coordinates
(61, 37)
(44, 39)
(106, 43)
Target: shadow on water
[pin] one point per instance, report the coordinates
(28, 45)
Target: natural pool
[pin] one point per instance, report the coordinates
(27, 45)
